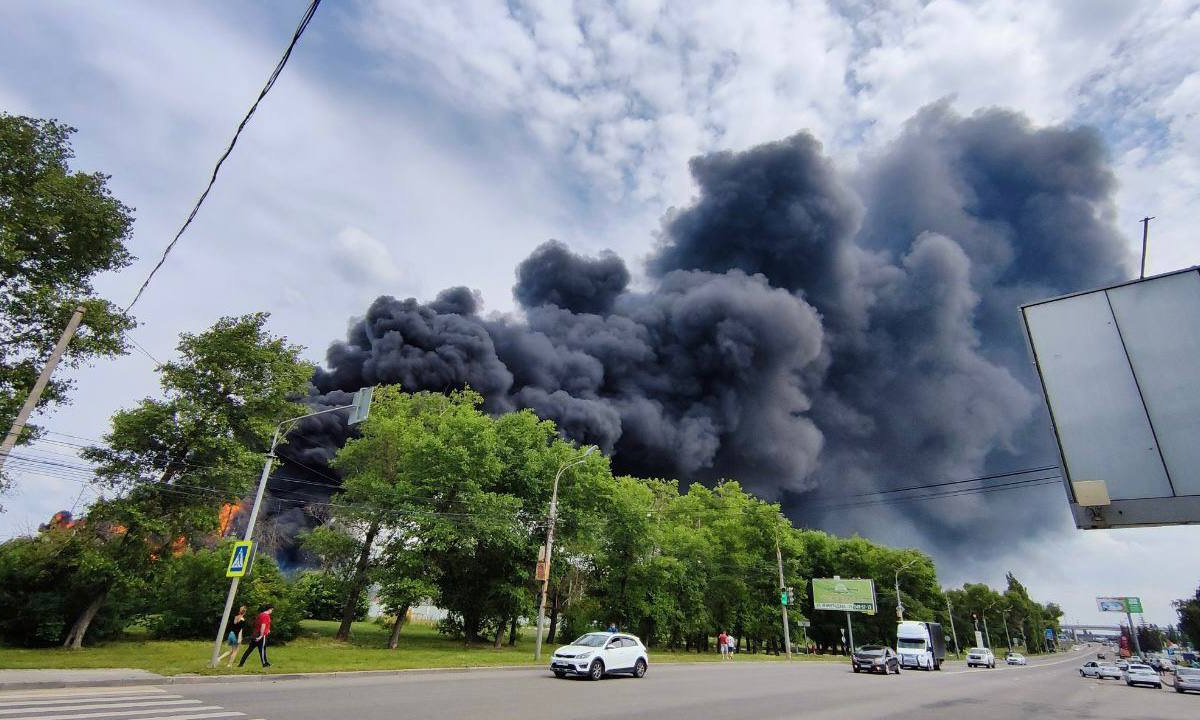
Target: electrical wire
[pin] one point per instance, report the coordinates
(308, 15)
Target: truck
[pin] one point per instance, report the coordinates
(920, 645)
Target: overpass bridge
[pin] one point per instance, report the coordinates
(1091, 633)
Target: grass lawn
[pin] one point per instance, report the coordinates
(315, 651)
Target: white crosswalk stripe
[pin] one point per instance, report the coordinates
(96, 704)
(104, 705)
(76, 698)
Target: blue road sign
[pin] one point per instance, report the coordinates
(239, 560)
(1049, 633)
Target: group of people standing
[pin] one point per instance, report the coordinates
(727, 645)
(235, 633)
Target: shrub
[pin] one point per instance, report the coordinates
(322, 596)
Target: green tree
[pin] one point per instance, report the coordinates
(174, 462)
(1188, 610)
(58, 230)
(322, 596)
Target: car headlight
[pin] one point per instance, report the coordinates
(582, 656)
(879, 662)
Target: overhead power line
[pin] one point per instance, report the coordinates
(308, 15)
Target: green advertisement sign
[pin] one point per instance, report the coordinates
(847, 594)
(1133, 604)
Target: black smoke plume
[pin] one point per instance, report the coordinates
(813, 335)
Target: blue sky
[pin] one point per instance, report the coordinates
(410, 146)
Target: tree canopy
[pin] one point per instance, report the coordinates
(59, 230)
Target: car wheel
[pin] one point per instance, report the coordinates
(855, 668)
(1081, 674)
(1178, 691)
(639, 668)
(596, 671)
(897, 668)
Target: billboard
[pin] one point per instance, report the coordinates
(1119, 373)
(1119, 604)
(849, 594)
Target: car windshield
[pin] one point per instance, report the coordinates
(918, 644)
(977, 651)
(871, 650)
(1189, 672)
(592, 639)
(1140, 668)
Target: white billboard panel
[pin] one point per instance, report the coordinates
(1120, 369)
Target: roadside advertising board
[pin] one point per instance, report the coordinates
(846, 594)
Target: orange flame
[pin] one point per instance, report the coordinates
(228, 512)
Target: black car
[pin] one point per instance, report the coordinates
(875, 658)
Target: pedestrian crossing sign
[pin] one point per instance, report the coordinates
(239, 561)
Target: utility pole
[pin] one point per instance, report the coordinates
(541, 620)
(953, 634)
(1145, 236)
(1006, 635)
(14, 433)
(358, 413)
(787, 638)
(900, 602)
(986, 634)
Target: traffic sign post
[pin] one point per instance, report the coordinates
(239, 559)
(359, 410)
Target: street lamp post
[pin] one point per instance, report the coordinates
(1004, 616)
(899, 602)
(541, 620)
(358, 408)
(986, 634)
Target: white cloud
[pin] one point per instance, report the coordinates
(359, 257)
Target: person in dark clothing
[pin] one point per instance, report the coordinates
(233, 636)
(262, 629)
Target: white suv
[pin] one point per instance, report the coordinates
(599, 653)
(981, 657)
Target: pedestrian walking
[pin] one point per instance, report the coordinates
(723, 644)
(262, 630)
(233, 637)
(731, 641)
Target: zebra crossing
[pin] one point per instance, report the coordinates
(109, 704)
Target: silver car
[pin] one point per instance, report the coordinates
(1139, 674)
(1100, 671)
(1186, 679)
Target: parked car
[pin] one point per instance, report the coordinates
(1186, 679)
(980, 657)
(1141, 674)
(1101, 656)
(1122, 663)
(1014, 658)
(1100, 670)
(597, 654)
(875, 658)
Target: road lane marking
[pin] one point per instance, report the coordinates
(99, 706)
(201, 716)
(87, 698)
(1072, 658)
(75, 693)
(113, 714)
(94, 702)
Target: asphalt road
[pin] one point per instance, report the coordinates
(1047, 688)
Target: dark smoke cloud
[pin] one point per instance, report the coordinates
(810, 334)
(553, 275)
